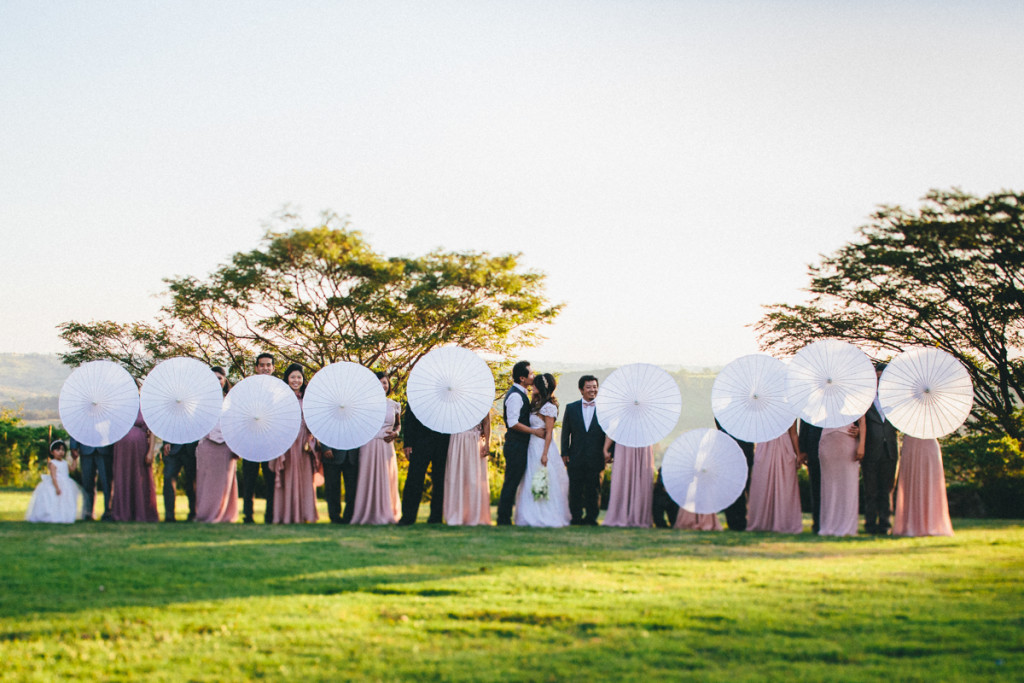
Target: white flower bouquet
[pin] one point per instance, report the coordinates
(539, 485)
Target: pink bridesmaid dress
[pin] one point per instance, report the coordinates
(921, 505)
(216, 480)
(632, 488)
(774, 502)
(840, 472)
(696, 522)
(134, 494)
(377, 500)
(467, 493)
(295, 497)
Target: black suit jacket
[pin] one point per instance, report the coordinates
(347, 456)
(584, 447)
(416, 435)
(880, 440)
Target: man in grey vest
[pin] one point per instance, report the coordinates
(516, 411)
(94, 462)
(179, 457)
(251, 470)
(339, 463)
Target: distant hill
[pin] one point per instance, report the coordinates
(31, 382)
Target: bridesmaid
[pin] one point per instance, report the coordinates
(632, 487)
(377, 500)
(134, 495)
(295, 497)
(216, 481)
(774, 494)
(467, 492)
(840, 451)
(921, 505)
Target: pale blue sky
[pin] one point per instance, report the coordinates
(672, 166)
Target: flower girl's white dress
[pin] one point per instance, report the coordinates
(46, 506)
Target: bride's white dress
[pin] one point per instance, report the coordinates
(554, 511)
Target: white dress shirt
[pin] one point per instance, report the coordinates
(588, 414)
(514, 404)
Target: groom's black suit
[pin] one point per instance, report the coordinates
(584, 449)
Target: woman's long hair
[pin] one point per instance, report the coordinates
(381, 374)
(545, 386)
(227, 382)
(295, 367)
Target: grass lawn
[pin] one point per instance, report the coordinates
(321, 602)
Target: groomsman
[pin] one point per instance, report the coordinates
(878, 468)
(179, 457)
(424, 448)
(516, 413)
(736, 514)
(251, 470)
(583, 453)
(94, 462)
(808, 441)
(339, 464)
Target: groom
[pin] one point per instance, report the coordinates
(516, 409)
(583, 453)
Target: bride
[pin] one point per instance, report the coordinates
(535, 509)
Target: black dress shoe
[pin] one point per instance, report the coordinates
(406, 522)
(248, 520)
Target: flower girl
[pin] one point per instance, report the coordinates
(58, 498)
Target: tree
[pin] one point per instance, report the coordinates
(316, 295)
(23, 449)
(949, 275)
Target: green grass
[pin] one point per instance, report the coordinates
(201, 602)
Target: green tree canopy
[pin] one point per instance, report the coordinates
(949, 275)
(316, 295)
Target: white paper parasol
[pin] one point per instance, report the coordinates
(450, 389)
(638, 405)
(181, 400)
(261, 418)
(749, 398)
(926, 393)
(99, 403)
(830, 383)
(704, 471)
(344, 405)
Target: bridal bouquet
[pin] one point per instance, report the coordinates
(539, 485)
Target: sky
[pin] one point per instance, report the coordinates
(671, 166)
